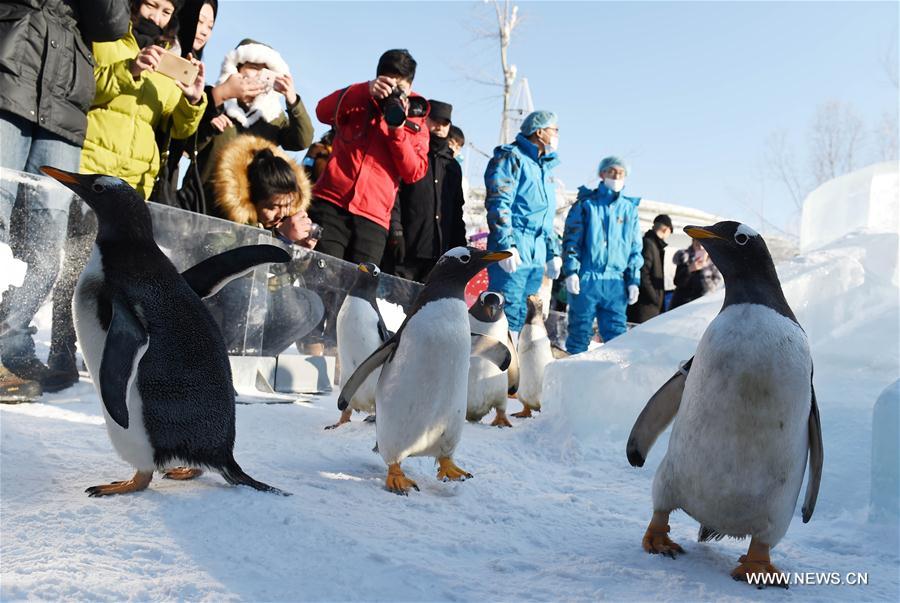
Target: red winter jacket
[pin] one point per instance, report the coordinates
(368, 159)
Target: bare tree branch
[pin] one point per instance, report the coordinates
(835, 136)
(779, 158)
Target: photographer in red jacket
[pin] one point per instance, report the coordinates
(380, 139)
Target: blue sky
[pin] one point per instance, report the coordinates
(687, 92)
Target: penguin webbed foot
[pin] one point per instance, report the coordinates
(139, 482)
(182, 473)
(500, 420)
(369, 419)
(345, 418)
(397, 482)
(656, 541)
(525, 413)
(448, 471)
(763, 567)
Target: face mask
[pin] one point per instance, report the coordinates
(553, 145)
(614, 185)
(459, 159)
(146, 32)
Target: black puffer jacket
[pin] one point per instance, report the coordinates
(46, 66)
(430, 211)
(653, 287)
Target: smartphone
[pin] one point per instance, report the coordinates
(173, 66)
(267, 76)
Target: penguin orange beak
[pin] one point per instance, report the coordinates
(60, 176)
(697, 232)
(362, 268)
(495, 256)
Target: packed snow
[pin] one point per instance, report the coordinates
(554, 512)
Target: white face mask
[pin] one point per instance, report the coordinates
(553, 145)
(614, 185)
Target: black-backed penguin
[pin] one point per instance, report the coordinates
(489, 387)
(155, 354)
(744, 410)
(535, 353)
(360, 330)
(421, 393)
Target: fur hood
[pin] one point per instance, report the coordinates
(266, 106)
(232, 186)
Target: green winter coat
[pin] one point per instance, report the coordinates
(120, 137)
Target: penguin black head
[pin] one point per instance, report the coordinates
(460, 264)
(121, 211)
(535, 309)
(366, 283)
(488, 307)
(741, 255)
(736, 249)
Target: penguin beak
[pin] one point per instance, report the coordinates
(74, 182)
(698, 232)
(495, 256)
(362, 268)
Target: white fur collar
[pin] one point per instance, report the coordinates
(266, 106)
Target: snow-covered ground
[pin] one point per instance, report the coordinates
(554, 511)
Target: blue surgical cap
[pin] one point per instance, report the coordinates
(537, 120)
(612, 161)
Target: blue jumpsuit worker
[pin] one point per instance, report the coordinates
(602, 257)
(521, 202)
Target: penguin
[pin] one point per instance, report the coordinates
(360, 330)
(154, 353)
(744, 414)
(535, 353)
(489, 386)
(421, 392)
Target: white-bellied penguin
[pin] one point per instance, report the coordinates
(744, 410)
(360, 330)
(535, 353)
(154, 353)
(489, 387)
(421, 393)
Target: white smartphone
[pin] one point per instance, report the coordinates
(267, 76)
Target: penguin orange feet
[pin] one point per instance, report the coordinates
(500, 419)
(756, 568)
(139, 482)
(397, 482)
(182, 473)
(657, 542)
(525, 413)
(345, 418)
(448, 471)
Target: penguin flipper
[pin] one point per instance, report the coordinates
(491, 349)
(512, 373)
(124, 341)
(816, 458)
(213, 273)
(656, 416)
(375, 359)
(383, 331)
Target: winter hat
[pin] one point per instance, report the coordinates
(268, 104)
(537, 120)
(440, 110)
(612, 161)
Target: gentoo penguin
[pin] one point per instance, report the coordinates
(154, 352)
(421, 393)
(360, 330)
(535, 354)
(488, 385)
(744, 410)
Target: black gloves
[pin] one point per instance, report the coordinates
(397, 246)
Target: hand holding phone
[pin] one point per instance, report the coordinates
(181, 70)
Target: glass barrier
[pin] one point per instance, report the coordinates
(262, 313)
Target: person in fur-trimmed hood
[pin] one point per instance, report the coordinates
(257, 184)
(245, 100)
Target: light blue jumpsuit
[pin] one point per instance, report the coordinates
(602, 244)
(521, 203)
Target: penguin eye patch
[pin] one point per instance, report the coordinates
(741, 238)
(98, 188)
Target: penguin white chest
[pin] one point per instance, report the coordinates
(133, 443)
(422, 390)
(739, 442)
(357, 337)
(534, 356)
(488, 385)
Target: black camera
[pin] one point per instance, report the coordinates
(392, 108)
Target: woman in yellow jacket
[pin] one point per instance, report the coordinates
(132, 100)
